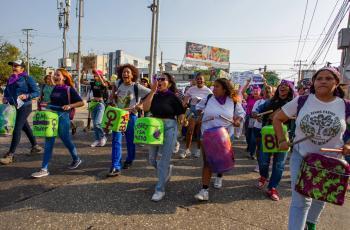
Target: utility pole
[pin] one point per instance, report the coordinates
(80, 15)
(154, 7)
(161, 62)
(28, 43)
(299, 63)
(156, 40)
(63, 23)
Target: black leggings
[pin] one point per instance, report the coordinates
(22, 124)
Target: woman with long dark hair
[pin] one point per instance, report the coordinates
(283, 94)
(219, 105)
(63, 99)
(322, 116)
(164, 104)
(19, 92)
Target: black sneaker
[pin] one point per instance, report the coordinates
(127, 165)
(75, 164)
(113, 172)
(35, 150)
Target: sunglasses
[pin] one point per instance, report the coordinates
(161, 79)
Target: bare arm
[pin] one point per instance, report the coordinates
(148, 101)
(277, 123)
(244, 89)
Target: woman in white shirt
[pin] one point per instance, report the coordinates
(220, 104)
(192, 97)
(323, 118)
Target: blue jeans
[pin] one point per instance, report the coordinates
(97, 115)
(64, 134)
(160, 156)
(255, 135)
(279, 160)
(117, 144)
(302, 208)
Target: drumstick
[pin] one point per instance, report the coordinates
(340, 150)
(300, 140)
(225, 118)
(210, 119)
(264, 113)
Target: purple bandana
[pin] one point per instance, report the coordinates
(221, 100)
(14, 77)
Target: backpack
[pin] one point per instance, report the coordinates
(136, 90)
(346, 136)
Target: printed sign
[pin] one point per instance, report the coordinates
(269, 139)
(149, 131)
(115, 119)
(45, 124)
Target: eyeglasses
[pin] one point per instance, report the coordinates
(161, 79)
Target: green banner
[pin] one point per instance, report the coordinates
(269, 139)
(7, 119)
(45, 124)
(149, 131)
(115, 119)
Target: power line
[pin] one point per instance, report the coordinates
(323, 30)
(308, 30)
(302, 28)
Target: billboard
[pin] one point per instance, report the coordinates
(203, 55)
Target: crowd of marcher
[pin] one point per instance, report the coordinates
(306, 119)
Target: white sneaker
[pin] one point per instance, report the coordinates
(95, 144)
(103, 141)
(157, 196)
(41, 173)
(170, 172)
(184, 154)
(256, 169)
(218, 182)
(177, 147)
(197, 153)
(203, 195)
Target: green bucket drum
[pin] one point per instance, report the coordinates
(269, 139)
(149, 131)
(115, 119)
(7, 119)
(45, 124)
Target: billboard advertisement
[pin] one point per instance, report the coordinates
(204, 55)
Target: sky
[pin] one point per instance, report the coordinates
(257, 32)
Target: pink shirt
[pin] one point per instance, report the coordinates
(250, 104)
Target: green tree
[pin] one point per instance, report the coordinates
(8, 52)
(37, 70)
(271, 78)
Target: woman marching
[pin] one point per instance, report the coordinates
(164, 104)
(19, 91)
(45, 94)
(214, 108)
(249, 120)
(63, 99)
(283, 94)
(127, 94)
(99, 88)
(192, 97)
(322, 110)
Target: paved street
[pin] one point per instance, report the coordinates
(85, 199)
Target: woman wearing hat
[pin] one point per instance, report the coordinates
(326, 108)
(283, 95)
(99, 90)
(19, 91)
